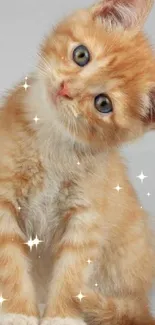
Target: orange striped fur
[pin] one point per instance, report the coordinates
(58, 176)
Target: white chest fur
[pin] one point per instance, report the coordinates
(45, 211)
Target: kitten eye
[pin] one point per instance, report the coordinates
(103, 104)
(81, 55)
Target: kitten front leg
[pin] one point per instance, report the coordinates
(116, 310)
(71, 271)
(127, 269)
(16, 286)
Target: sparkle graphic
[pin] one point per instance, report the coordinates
(141, 207)
(36, 119)
(89, 261)
(96, 284)
(30, 243)
(2, 300)
(78, 163)
(148, 194)
(80, 296)
(33, 242)
(36, 241)
(26, 85)
(142, 177)
(19, 208)
(118, 188)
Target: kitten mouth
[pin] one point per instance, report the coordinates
(57, 96)
(68, 97)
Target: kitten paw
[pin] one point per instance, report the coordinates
(17, 319)
(62, 321)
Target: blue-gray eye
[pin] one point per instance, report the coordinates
(81, 55)
(103, 104)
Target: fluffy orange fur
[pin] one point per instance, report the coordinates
(63, 170)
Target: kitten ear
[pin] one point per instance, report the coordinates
(122, 14)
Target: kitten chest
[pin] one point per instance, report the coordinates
(61, 191)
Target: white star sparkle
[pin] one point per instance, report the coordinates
(36, 241)
(19, 208)
(148, 194)
(142, 177)
(33, 242)
(78, 163)
(30, 243)
(89, 261)
(2, 300)
(118, 188)
(36, 119)
(80, 296)
(26, 85)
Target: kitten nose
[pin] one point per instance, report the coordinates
(63, 91)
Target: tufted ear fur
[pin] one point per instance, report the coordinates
(122, 14)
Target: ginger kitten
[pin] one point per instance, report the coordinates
(93, 90)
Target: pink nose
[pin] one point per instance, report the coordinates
(63, 91)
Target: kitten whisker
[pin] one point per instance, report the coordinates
(44, 63)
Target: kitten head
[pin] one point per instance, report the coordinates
(99, 72)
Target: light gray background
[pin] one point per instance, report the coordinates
(23, 23)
